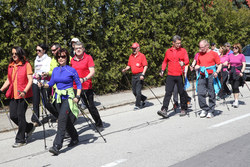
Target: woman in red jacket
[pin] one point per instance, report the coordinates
(18, 82)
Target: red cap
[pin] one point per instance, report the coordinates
(135, 45)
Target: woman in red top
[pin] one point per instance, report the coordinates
(19, 80)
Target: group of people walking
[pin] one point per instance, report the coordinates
(58, 83)
(65, 78)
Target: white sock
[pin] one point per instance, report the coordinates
(236, 100)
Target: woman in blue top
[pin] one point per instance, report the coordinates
(65, 100)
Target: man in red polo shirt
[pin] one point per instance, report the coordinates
(85, 67)
(206, 64)
(176, 58)
(138, 64)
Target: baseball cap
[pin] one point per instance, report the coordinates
(75, 40)
(135, 45)
(212, 44)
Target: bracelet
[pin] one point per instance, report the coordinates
(24, 92)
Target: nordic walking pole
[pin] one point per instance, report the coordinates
(93, 125)
(152, 92)
(8, 116)
(86, 116)
(44, 136)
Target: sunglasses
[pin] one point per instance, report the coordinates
(53, 50)
(14, 54)
(63, 57)
(38, 50)
(235, 48)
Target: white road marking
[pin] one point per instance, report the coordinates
(114, 163)
(229, 121)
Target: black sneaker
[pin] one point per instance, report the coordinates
(163, 113)
(100, 128)
(73, 143)
(143, 102)
(66, 135)
(54, 150)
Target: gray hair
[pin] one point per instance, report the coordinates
(205, 42)
(79, 44)
(176, 37)
(57, 45)
(227, 44)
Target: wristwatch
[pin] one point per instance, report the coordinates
(78, 97)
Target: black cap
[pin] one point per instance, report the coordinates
(212, 44)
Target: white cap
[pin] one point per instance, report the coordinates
(75, 40)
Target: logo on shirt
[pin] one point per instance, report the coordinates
(137, 64)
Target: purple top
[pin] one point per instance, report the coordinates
(236, 60)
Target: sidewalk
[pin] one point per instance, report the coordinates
(105, 101)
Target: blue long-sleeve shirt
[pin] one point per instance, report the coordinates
(63, 77)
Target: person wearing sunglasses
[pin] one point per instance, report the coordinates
(237, 77)
(18, 83)
(41, 71)
(65, 100)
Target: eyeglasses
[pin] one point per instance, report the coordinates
(38, 50)
(78, 48)
(63, 57)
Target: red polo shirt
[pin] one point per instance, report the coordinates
(137, 62)
(208, 59)
(82, 68)
(172, 58)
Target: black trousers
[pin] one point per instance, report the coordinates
(65, 122)
(88, 98)
(18, 109)
(36, 101)
(170, 82)
(235, 85)
(175, 95)
(136, 88)
(224, 89)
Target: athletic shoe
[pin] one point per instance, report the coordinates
(218, 98)
(183, 113)
(16, 145)
(30, 132)
(136, 108)
(203, 114)
(235, 104)
(210, 115)
(73, 143)
(189, 105)
(100, 128)
(163, 113)
(54, 150)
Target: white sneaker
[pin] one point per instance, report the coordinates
(235, 104)
(203, 114)
(210, 115)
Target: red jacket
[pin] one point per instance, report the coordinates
(172, 58)
(22, 81)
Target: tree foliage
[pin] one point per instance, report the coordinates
(109, 27)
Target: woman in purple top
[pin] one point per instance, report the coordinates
(237, 63)
(223, 75)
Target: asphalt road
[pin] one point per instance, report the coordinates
(143, 139)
